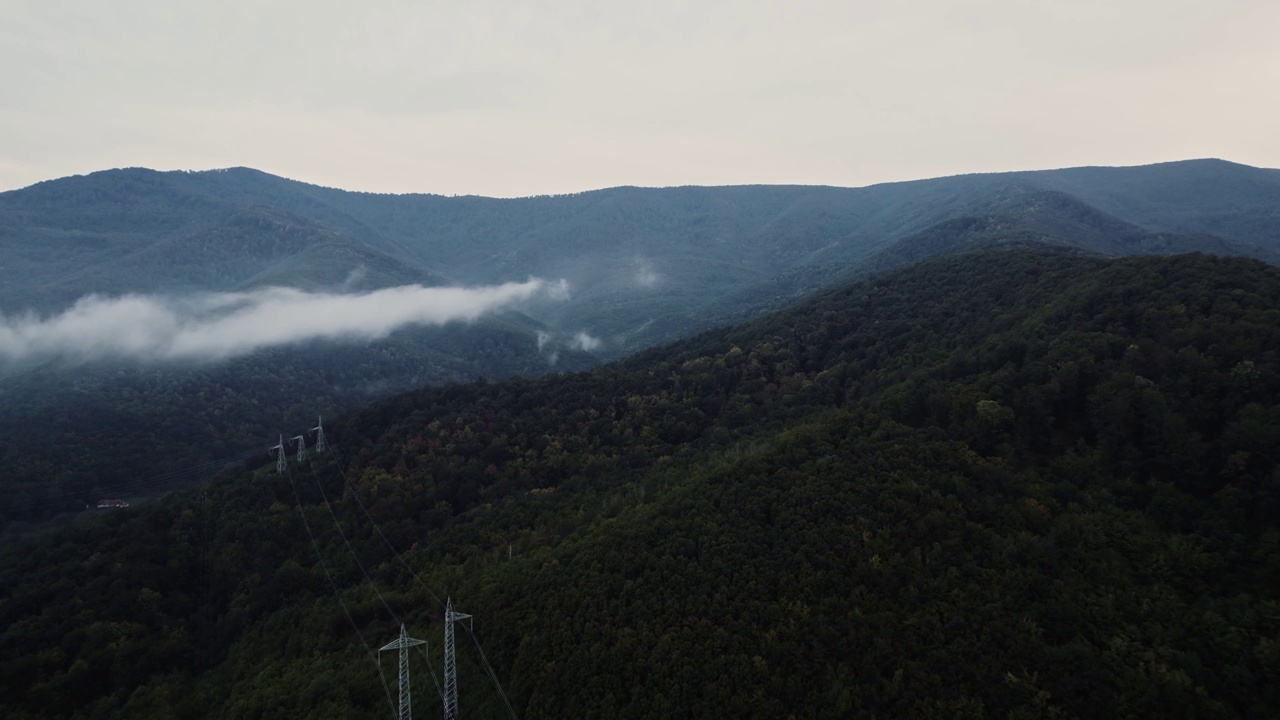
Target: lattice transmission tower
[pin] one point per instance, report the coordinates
(321, 445)
(403, 643)
(450, 668)
(280, 451)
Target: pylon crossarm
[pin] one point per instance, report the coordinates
(401, 643)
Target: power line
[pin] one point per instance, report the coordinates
(404, 642)
(450, 688)
(319, 558)
(493, 675)
(351, 550)
(432, 670)
(338, 462)
(448, 692)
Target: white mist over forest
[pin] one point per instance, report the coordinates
(215, 326)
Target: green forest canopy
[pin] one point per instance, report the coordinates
(1008, 484)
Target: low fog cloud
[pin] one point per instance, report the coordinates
(559, 290)
(222, 325)
(354, 277)
(645, 276)
(583, 341)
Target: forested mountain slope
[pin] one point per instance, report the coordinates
(643, 266)
(1213, 197)
(141, 231)
(1004, 484)
(71, 434)
(73, 431)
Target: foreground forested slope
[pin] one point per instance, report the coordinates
(1008, 484)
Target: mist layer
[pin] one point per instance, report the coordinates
(216, 326)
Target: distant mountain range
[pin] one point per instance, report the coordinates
(643, 267)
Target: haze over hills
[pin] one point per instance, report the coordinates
(643, 265)
(1007, 483)
(640, 266)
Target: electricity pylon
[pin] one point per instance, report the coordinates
(450, 671)
(319, 431)
(403, 643)
(302, 447)
(280, 451)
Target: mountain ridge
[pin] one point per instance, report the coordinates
(594, 237)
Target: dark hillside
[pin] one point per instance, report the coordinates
(1005, 484)
(71, 434)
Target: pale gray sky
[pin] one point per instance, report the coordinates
(524, 97)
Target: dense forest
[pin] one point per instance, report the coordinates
(1014, 483)
(73, 433)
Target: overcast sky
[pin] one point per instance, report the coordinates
(524, 97)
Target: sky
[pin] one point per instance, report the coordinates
(524, 97)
